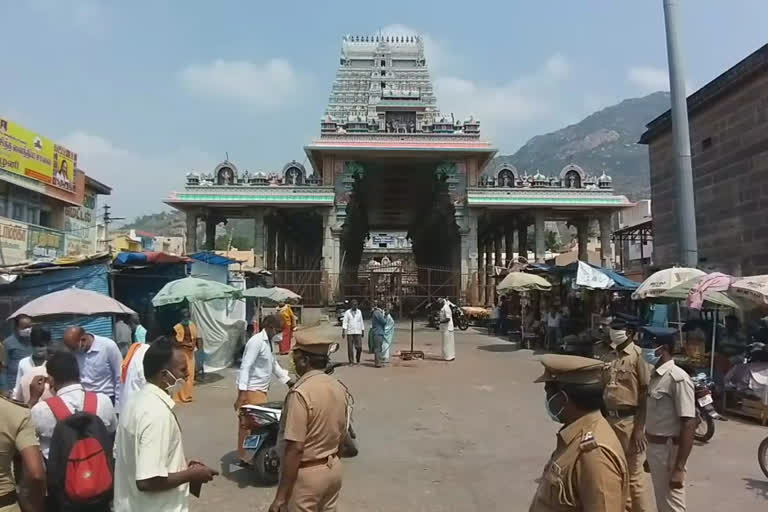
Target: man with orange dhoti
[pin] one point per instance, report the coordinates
(188, 339)
(289, 325)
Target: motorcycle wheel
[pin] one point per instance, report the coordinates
(762, 456)
(348, 447)
(705, 428)
(266, 474)
(463, 323)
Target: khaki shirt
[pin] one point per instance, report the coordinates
(625, 373)
(315, 414)
(586, 472)
(670, 397)
(16, 433)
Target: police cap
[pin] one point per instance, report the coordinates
(313, 345)
(623, 321)
(571, 369)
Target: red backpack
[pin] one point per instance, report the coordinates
(80, 463)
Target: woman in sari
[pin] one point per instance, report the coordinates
(389, 333)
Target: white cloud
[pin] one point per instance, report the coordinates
(260, 85)
(648, 79)
(498, 106)
(140, 182)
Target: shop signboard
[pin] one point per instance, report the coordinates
(13, 242)
(76, 246)
(78, 220)
(26, 153)
(44, 244)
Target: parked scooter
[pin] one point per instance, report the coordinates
(762, 456)
(263, 422)
(705, 410)
(460, 319)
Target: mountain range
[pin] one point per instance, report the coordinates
(604, 141)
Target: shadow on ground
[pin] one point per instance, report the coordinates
(500, 347)
(759, 487)
(208, 378)
(242, 477)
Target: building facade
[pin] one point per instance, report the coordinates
(729, 148)
(47, 204)
(387, 163)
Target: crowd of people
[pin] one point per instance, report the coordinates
(93, 426)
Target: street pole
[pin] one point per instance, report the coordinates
(686, 208)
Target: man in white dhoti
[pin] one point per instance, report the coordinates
(446, 330)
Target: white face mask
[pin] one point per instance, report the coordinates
(25, 333)
(618, 337)
(174, 388)
(277, 338)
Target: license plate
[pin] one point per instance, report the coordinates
(252, 442)
(705, 400)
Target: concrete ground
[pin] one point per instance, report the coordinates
(462, 436)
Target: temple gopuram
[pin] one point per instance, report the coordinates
(394, 199)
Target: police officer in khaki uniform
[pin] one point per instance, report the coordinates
(314, 423)
(670, 423)
(626, 386)
(587, 472)
(18, 441)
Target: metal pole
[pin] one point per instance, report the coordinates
(686, 209)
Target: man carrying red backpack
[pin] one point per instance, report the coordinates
(76, 430)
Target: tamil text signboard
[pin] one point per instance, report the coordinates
(26, 153)
(44, 244)
(13, 242)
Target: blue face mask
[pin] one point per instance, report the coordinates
(650, 356)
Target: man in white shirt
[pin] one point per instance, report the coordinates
(151, 472)
(353, 328)
(446, 329)
(64, 376)
(553, 328)
(132, 376)
(256, 371)
(33, 366)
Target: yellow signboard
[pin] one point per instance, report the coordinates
(26, 153)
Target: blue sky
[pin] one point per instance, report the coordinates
(145, 91)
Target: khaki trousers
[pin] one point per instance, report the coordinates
(640, 499)
(251, 398)
(661, 459)
(317, 488)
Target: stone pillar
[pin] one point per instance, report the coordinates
(509, 243)
(481, 277)
(522, 238)
(539, 232)
(605, 241)
(259, 238)
(191, 245)
(329, 264)
(469, 258)
(210, 232)
(498, 246)
(280, 263)
(582, 235)
(489, 280)
(269, 260)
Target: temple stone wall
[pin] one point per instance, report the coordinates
(729, 144)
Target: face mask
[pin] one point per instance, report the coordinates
(618, 337)
(174, 388)
(25, 333)
(554, 416)
(650, 356)
(277, 338)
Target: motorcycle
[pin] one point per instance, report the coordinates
(263, 421)
(460, 319)
(705, 410)
(762, 456)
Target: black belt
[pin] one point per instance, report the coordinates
(6, 500)
(624, 412)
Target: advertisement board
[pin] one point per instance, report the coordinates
(26, 153)
(76, 246)
(44, 244)
(13, 242)
(78, 220)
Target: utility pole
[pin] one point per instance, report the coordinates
(108, 219)
(686, 209)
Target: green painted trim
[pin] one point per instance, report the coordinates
(544, 200)
(293, 198)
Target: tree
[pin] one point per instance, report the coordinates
(551, 241)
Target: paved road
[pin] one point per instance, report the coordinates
(463, 436)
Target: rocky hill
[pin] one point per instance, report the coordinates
(606, 140)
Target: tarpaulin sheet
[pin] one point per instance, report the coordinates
(221, 323)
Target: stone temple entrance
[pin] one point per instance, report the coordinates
(398, 202)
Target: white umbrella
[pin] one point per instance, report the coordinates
(73, 301)
(274, 294)
(193, 289)
(752, 288)
(664, 280)
(522, 282)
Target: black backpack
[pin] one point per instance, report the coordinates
(81, 465)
